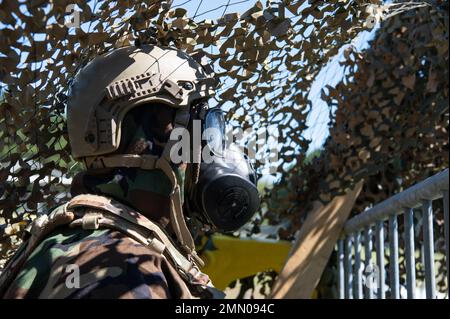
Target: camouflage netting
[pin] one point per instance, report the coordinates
(391, 116)
(390, 126)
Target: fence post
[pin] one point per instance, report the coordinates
(379, 237)
(348, 268)
(410, 259)
(358, 274)
(393, 258)
(430, 281)
(341, 277)
(368, 257)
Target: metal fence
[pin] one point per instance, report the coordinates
(363, 239)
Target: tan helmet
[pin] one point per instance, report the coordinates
(112, 84)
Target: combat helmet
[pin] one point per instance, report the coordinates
(112, 84)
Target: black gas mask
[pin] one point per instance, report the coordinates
(224, 194)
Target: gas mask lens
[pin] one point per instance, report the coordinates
(214, 131)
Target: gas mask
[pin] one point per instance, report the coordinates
(224, 194)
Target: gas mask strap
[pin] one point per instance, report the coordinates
(196, 148)
(176, 213)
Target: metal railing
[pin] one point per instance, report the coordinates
(361, 278)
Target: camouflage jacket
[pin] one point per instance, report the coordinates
(109, 264)
(100, 263)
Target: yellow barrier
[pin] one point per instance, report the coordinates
(228, 258)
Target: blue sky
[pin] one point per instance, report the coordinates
(213, 9)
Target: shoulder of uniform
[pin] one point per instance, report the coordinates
(63, 214)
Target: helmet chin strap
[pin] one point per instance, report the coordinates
(176, 213)
(177, 220)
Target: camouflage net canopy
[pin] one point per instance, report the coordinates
(390, 125)
(391, 116)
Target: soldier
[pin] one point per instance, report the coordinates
(128, 230)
